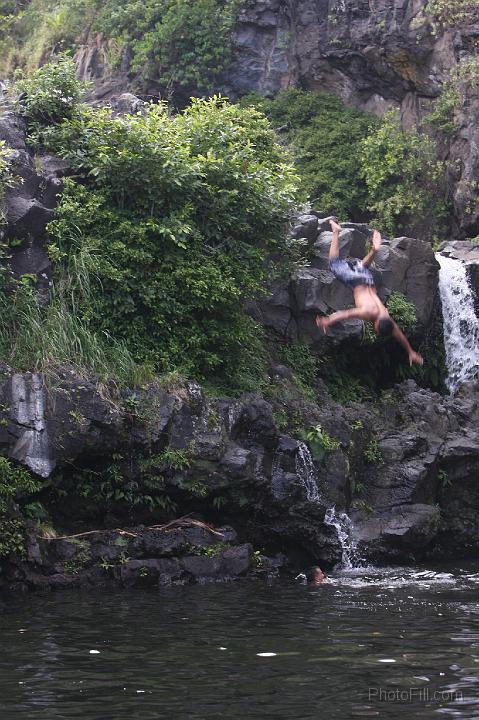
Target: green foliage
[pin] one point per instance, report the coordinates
(343, 385)
(321, 442)
(6, 178)
(402, 311)
(174, 459)
(81, 558)
(304, 363)
(172, 41)
(402, 174)
(34, 337)
(122, 485)
(372, 451)
(12, 537)
(205, 551)
(50, 94)
(15, 482)
(449, 13)
(179, 215)
(461, 82)
(441, 116)
(325, 137)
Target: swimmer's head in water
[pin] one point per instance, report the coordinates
(314, 575)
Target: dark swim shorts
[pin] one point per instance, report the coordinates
(351, 276)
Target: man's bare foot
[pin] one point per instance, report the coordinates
(377, 240)
(322, 322)
(335, 225)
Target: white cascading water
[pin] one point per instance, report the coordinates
(461, 325)
(306, 472)
(344, 529)
(28, 411)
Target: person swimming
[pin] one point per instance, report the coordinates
(315, 576)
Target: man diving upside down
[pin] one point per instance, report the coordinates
(368, 305)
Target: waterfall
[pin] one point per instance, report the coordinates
(28, 411)
(461, 325)
(306, 472)
(344, 529)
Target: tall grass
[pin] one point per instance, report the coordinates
(49, 336)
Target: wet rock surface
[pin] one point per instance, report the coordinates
(404, 468)
(137, 557)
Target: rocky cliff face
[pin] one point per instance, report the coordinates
(375, 56)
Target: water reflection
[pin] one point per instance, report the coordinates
(396, 643)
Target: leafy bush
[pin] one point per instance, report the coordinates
(402, 311)
(15, 483)
(51, 93)
(173, 41)
(321, 442)
(402, 174)
(325, 137)
(449, 13)
(179, 215)
(372, 451)
(303, 362)
(5, 173)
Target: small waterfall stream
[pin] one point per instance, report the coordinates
(28, 412)
(461, 325)
(306, 473)
(344, 529)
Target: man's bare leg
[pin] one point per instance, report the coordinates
(334, 249)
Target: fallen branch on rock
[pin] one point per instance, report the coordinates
(184, 521)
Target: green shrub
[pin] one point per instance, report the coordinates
(321, 442)
(174, 40)
(449, 13)
(372, 452)
(402, 311)
(50, 94)
(402, 174)
(302, 360)
(178, 215)
(325, 138)
(6, 178)
(16, 484)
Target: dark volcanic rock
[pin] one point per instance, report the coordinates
(404, 265)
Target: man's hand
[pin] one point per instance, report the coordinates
(414, 357)
(322, 322)
(335, 225)
(376, 240)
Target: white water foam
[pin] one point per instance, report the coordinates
(306, 473)
(344, 529)
(461, 325)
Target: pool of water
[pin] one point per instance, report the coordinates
(392, 643)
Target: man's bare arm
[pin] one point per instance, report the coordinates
(325, 322)
(413, 356)
(367, 259)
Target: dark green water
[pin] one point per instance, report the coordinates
(400, 643)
